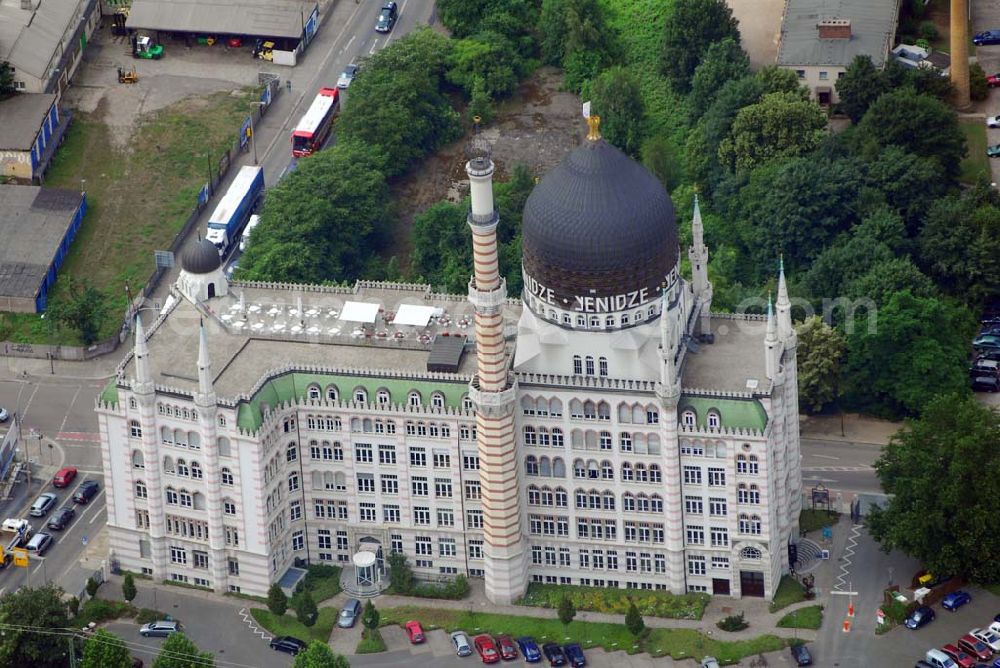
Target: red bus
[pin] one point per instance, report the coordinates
(314, 126)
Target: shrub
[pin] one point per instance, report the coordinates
(74, 606)
(92, 587)
(371, 642)
(400, 574)
(567, 611)
(147, 615)
(128, 588)
(100, 610)
(928, 31)
(633, 620)
(733, 623)
(616, 601)
(370, 617)
(305, 608)
(979, 89)
(277, 602)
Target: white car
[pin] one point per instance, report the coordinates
(991, 638)
(995, 627)
(347, 76)
(993, 121)
(4, 415)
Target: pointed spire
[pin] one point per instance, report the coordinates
(772, 331)
(784, 305)
(698, 254)
(143, 377)
(204, 363)
(770, 343)
(697, 230)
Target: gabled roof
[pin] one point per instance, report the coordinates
(33, 36)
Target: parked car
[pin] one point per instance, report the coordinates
(919, 617)
(387, 17)
(801, 655)
(709, 662)
(508, 650)
(985, 367)
(922, 664)
(414, 632)
(347, 76)
(349, 613)
(461, 643)
(985, 384)
(993, 121)
(993, 151)
(987, 341)
(976, 647)
(61, 518)
(988, 637)
(43, 504)
(487, 648)
(993, 80)
(4, 415)
(986, 37)
(86, 491)
(963, 659)
(939, 659)
(529, 649)
(64, 476)
(162, 628)
(995, 627)
(955, 600)
(554, 654)
(39, 543)
(574, 655)
(288, 644)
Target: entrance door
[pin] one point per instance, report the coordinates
(752, 583)
(211, 290)
(720, 587)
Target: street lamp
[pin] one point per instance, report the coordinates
(253, 133)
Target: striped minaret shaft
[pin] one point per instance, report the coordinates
(959, 33)
(205, 400)
(493, 394)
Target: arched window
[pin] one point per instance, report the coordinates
(589, 365)
(224, 447)
(609, 500)
(180, 439)
(561, 498)
(628, 501)
(577, 365)
(590, 438)
(194, 439)
(530, 438)
(331, 393)
(228, 506)
(184, 497)
(576, 408)
(413, 399)
(293, 481)
(140, 490)
(382, 397)
(558, 468)
(655, 476)
(741, 464)
(182, 468)
(607, 470)
(751, 553)
(137, 461)
(602, 362)
(557, 437)
(361, 395)
(627, 474)
(656, 503)
(527, 406)
(168, 465)
(753, 466)
(437, 400)
(653, 444)
(714, 421)
(589, 410)
(466, 403)
(171, 496)
(227, 476)
(135, 429)
(593, 470)
(544, 467)
(624, 413)
(642, 503)
(166, 435)
(605, 441)
(291, 452)
(581, 498)
(603, 411)
(688, 418)
(579, 468)
(543, 436)
(531, 465)
(555, 408)
(196, 471)
(314, 392)
(640, 473)
(534, 496)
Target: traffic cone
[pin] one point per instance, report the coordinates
(850, 609)
(847, 626)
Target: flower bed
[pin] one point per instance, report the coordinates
(616, 601)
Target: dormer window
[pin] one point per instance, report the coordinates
(714, 421)
(688, 418)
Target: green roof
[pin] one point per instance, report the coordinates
(291, 386)
(110, 393)
(735, 413)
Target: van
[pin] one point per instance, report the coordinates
(245, 237)
(939, 659)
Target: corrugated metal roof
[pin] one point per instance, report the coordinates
(446, 353)
(873, 25)
(23, 116)
(252, 18)
(34, 36)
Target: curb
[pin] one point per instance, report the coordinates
(252, 625)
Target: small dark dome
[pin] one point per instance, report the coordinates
(202, 258)
(599, 224)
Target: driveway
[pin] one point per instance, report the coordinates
(760, 28)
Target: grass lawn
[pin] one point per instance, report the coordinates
(789, 591)
(288, 625)
(616, 601)
(322, 581)
(138, 198)
(678, 643)
(975, 163)
(814, 520)
(803, 618)
(371, 642)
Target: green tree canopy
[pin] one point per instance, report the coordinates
(941, 472)
(633, 620)
(370, 616)
(566, 611)
(43, 609)
(128, 588)
(105, 650)
(781, 125)
(724, 61)
(82, 307)
(916, 349)
(574, 35)
(6, 80)
(178, 651)
(692, 26)
(277, 600)
(617, 98)
(886, 279)
(305, 608)
(908, 183)
(319, 655)
(820, 354)
(860, 86)
(486, 56)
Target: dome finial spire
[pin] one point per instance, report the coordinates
(594, 123)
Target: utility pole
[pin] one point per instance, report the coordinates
(72, 650)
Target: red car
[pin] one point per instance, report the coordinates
(993, 80)
(487, 649)
(414, 632)
(960, 657)
(64, 477)
(508, 650)
(976, 647)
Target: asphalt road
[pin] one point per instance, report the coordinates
(840, 466)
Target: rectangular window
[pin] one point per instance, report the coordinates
(475, 549)
(390, 514)
(178, 555)
(199, 559)
(693, 505)
(442, 488)
(390, 484)
(474, 519)
(366, 512)
(295, 511)
(363, 453)
(470, 462)
(341, 540)
(442, 460)
(696, 565)
(695, 535)
(472, 489)
(419, 486)
(386, 454)
(720, 563)
(298, 540)
(717, 507)
(366, 483)
(423, 546)
(564, 557)
(234, 566)
(421, 515)
(324, 539)
(660, 563)
(720, 537)
(446, 518)
(418, 457)
(446, 547)
(716, 477)
(823, 76)
(692, 475)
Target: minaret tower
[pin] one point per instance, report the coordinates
(789, 342)
(784, 308)
(144, 391)
(771, 347)
(698, 255)
(205, 400)
(493, 393)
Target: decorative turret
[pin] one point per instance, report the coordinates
(206, 390)
(670, 387)
(698, 253)
(784, 307)
(771, 348)
(143, 382)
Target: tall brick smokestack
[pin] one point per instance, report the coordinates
(960, 52)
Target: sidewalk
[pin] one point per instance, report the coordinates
(29, 369)
(853, 428)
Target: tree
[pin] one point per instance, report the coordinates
(41, 609)
(6, 80)
(660, 156)
(370, 616)
(908, 183)
(884, 280)
(940, 471)
(781, 125)
(178, 651)
(692, 26)
(860, 86)
(617, 98)
(105, 650)
(574, 35)
(724, 61)
(128, 588)
(83, 307)
(277, 601)
(979, 88)
(486, 58)
(74, 605)
(319, 655)
(917, 123)
(400, 573)
(820, 353)
(917, 349)
(633, 620)
(305, 608)
(567, 611)
(92, 586)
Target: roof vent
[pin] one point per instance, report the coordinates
(834, 28)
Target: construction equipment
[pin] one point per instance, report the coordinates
(263, 50)
(144, 47)
(128, 76)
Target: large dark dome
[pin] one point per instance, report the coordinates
(201, 258)
(599, 225)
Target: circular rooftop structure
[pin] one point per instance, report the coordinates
(598, 227)
(201, 258)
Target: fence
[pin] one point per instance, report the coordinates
(270, 88)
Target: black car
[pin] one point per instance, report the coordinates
(919, 617)
(574, 654)
(987, 37)
(61, 518)
(288, 644)
(86, 491)
(554, 654)
(387, 17)
(985, 384)
(801, 655)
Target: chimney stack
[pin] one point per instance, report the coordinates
(834, 28)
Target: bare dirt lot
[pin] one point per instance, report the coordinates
(536, 127)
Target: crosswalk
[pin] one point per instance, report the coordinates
(79, 436)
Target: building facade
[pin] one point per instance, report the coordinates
(34, 127)
(606, 430)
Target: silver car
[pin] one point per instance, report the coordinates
(461, 643)
(161, 628)
(349, 613)
(39, 543)
(43, 504)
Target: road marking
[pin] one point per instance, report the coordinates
(843, 593)
(837, 468)
(827, 457)
(374, 46)
(249, 621)
(87, 436)
(348, 45)
(69, 408)
(34, 389)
